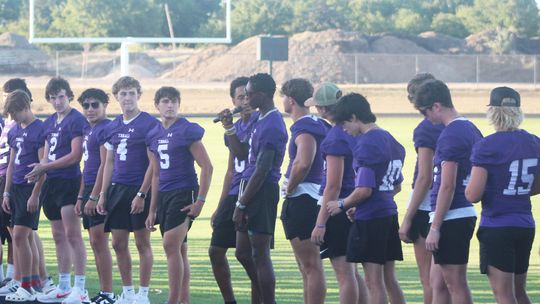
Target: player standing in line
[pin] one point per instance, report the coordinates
(94, 103)
(301, 186)
(224, 235)
(5, 236)
(505, 173)
(21, 198)
(124, 196)
(174, 146)
(256, 208)
(63, 152)
(453, 217)
(337, 182)
(415, 225)
(373, 237)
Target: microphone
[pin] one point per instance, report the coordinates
(233, 111)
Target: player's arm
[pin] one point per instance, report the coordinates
(536, 185)
(238, 149)
(137, 205)
(93, 199)
(203, 161)
(477, 184)
(226, 184)
(365, 180)
(107, 177)
(9, 175)
(78, 205)
(150, 220)
(263, 165)
(33, 201)
(306, 150)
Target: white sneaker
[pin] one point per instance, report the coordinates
(54, 296)
(125, 299)
(77, 296)
(10, 287)
(21, 295)
(139, 299)
(48, 285)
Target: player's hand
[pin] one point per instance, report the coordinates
(239, 218)
(34, 175)
(432, 240)
(333, 208)
(77, 208)
(350, 214)
(150, 220)
(194, 209)
(226, 118)
(6, 206)
(32, 205)
(404, 231)
(137, 205)
(317, 235)
(100, 208)
(90, 208)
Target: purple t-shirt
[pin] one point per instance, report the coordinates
(128, 143)
(378, 160)
(425, 135)
(171, 147)
(93, 139)
(26, 142)
(243, 132)
(512, 160)
(339, 143)
(59, 137)
(269, 133)
(455, 144)
(316, 127)
(4, 146)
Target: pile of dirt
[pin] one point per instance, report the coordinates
(19, 56)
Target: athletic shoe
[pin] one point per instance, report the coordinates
(77, 296)
(48, 285)
(139, 299)
(125, 299)
(5, 281)
(10, 287)
(21, 295)
(102, 298)
(54, 296)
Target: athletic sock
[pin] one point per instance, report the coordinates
(80, 281)
(27, 283)
(9, 271)
(36, 283)
(64, 281)
(143, 291)
(128, 290)
(1, 272)
(108, 294)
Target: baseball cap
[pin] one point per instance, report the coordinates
(326, 94)
(504, 97)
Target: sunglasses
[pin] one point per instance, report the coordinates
(87, 105)
(424, 110)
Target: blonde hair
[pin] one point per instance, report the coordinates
(505, 118)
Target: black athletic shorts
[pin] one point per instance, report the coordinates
(262, 209)
(223, 232)
(57, 193)
(335, 238)
(5, 218)
(505, 248)
(118, 205)
(90, 221)
(455, 240)
(170, 204)
(18, 203)
(374, 241)
(299, 215)
(419, 225)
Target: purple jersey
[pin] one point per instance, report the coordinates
(128, 143)
(269, 133)
(171, 147)
(378, 160)
(93, 138)
(455, 144)
(339, 143)
(243, 132)
(512, 160)
(425, 135)
(316, 127)
(59, 137)
(4, 146)
(26, 142)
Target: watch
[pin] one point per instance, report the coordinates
(141, 194)
(341, 204)
(240, 205)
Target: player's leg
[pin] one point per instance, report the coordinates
(146, 260)
(346, 278)
(244, 255)
(374, 274)
(47, 283)
(184, 291)
(440, 292)
(172, 242)
(363, 293)
(21, 242)
(260, 244)
(99, 241)
(310, 264)
(395, 294)
(423, 261)
(222, 271)
(72, 227)
(120, 242)
(63, 254)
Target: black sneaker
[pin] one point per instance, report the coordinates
(4, 282)
(102, 298)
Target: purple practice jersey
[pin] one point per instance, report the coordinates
(171, 147)
(378, 160)
(512, 160)
(26, 142)
(316, 127)
(93, 138)
(425, 135)
(339, 143)
(269, 133)
(243, 132)
(59, 137)
(128, 143)
(4, 146)
(455, 144)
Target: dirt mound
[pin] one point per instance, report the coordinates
(440, 43)
(18, 56)
(12, 40)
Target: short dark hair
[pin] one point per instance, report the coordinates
(413, 84)
(169, 92)
(55, 85)
(94, 93)
(126, 82)
(16, 102)
(299, 89)
(237, 82)
(430, 92)
(264, 83)
(353, 103)
(16, 84)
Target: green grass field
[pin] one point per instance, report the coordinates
(289, 284)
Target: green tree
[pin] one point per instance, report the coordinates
(319, 15)
(188, 16)
(372, 16)
(410, 22)
(256, 17)
(450, 25)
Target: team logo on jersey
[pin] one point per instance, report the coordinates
(169, 134)
(131, 130)
(25, 134)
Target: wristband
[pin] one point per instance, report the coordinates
(201, 198)
(80, 197)
(341, 204)
(240, 205)
(322, 226)
(230, 131)
(7, 194)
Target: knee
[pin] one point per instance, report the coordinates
(243, 256)
(98, 243)
(143, 245)
(171, 248)
(74, 237)
(310, 266)
(120, 246)
(19, 238)
(217, 256)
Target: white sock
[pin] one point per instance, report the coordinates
(64, 281)
(10, 271)
(80, 281)
(1, 272)
(128, 290)
(143, 291)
